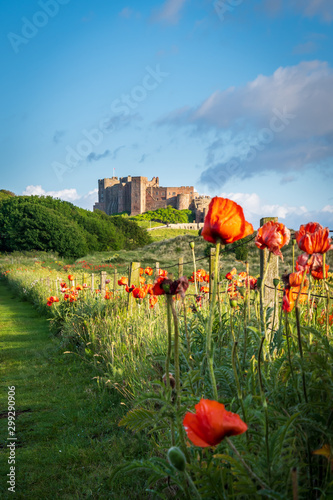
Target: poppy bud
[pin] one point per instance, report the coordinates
(276, 281)
(191, 243)
(177, 458)
(233, 303)
(259, 280)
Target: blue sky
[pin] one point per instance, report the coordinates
(231, 96)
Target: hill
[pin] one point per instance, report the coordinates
(48, 224)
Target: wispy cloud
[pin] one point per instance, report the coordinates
(116, 152)
(58, 135)
(96, 157)
(309, 8)
(281, 122)
(143, 157)
(169, 12)
(305, 48)
(127, 13)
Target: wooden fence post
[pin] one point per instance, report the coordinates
(212, 257)
(180, 267)
(157, 268)
(115, 281)
(273, 271)
(103, 284)
(133, 279)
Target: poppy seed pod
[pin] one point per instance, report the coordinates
(276, 281)
(191, 243)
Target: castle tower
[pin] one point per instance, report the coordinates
(138, 195)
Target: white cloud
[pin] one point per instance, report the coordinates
(65, 194)
(280, 122)
(292, 216)
(169, 13)
(84, 201)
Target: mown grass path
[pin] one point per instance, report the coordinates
(68, 438)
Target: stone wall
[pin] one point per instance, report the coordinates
(137, 195)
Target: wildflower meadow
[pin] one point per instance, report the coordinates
(227, 373)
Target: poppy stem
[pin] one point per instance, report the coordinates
(289, 357)
(192, 485)
(194, 269)
(239, 390)
(167, 364)
(264, 403)
(209, 349)
(327, 294)
(262, 294)
(177, 378)
(247, 467)
(299, 334)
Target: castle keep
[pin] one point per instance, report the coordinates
(137, 195)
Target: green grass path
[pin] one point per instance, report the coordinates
(67, 431)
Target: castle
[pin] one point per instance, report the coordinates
(137, 195)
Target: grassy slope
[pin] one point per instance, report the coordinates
(68, 437)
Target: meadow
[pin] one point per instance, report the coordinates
(172, 363)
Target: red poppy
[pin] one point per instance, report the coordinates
(129, 290)
(152, 301)
(242, 276)
(313, 238)
(225, 222)
(162, 273)
(273, 235)
(63, 284)
(123, 281)
(290, 294)
(157, 290)
(229, 276)
(295, 279)
(206, 278)
(79, 287)
(211, 423)
(52, 299)
(253, 282)
(149, 271)
(139, 293)
(204, 289)
(70, 277)
(149, 288)
(142, 280)
(318, 273)
(141, 271)
(166, 286)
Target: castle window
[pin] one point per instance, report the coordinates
(173, 194)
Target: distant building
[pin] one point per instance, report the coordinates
(137, 195)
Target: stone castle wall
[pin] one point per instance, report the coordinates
(137, 195)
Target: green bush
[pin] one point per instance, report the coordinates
(167, 215)
(48, 224)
